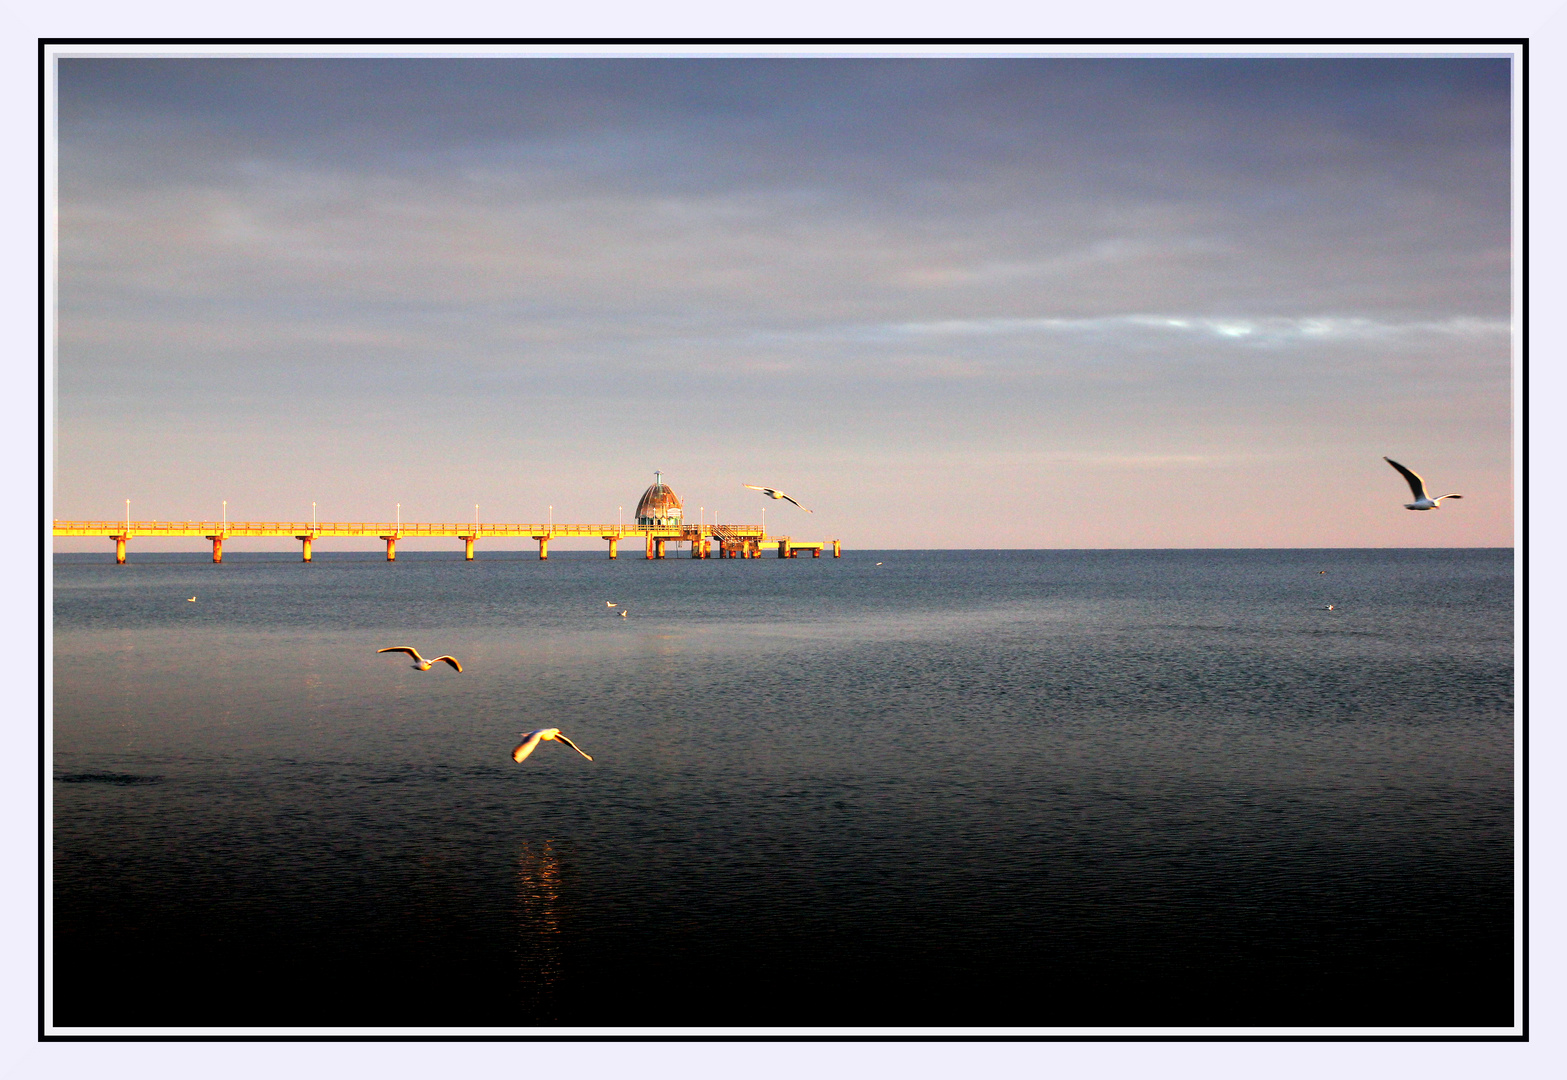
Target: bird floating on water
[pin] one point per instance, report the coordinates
(532, 739)
(774, 493)
(624, 612)
(1328, 608)
(608, 603)
(190, 599)
(1418, 486)
(420, 662)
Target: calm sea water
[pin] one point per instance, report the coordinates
(900, 787)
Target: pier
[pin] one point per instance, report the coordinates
(706, 541)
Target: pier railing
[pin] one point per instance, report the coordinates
(393, 528)
(733, 541)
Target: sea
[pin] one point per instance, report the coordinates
(899, 789)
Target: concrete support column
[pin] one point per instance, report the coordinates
(837, 552)
(217, 548)
(696, 549)
(783, 549)
(659, 547)
(544, 546)
(119, 549)
(306, 541)
(614, 546)
(467, 547)
(816, 553)
(650, 547)
(391, 548)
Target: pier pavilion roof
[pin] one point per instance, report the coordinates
(659, 502)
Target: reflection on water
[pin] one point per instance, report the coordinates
(539, 931)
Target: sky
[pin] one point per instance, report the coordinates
(972, 303)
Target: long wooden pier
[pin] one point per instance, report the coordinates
(731, 541)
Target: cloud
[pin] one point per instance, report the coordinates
(1269, 331)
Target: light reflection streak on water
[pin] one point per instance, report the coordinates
(540, 963)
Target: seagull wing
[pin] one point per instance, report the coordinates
(404, 648)
(1417, 485)
(530, 741)
(781, 495)
(753, 487)
(561, 738)
(452, 660)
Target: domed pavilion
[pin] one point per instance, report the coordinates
(660, 506)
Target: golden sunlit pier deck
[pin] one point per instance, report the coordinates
(726, 541)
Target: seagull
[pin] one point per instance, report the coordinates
(624, 612)
(549, 734)
(1418, 486)
(608, 604)
(1328, 608)
(190, 600)
(774, 493)
(878, 564)
(420, 662)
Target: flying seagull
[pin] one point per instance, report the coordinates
(420, 662)
(549, 734)
(1418, 486)
(774, 493)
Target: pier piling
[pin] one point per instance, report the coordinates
(391, 548)
(306, 541)
(217, 548)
